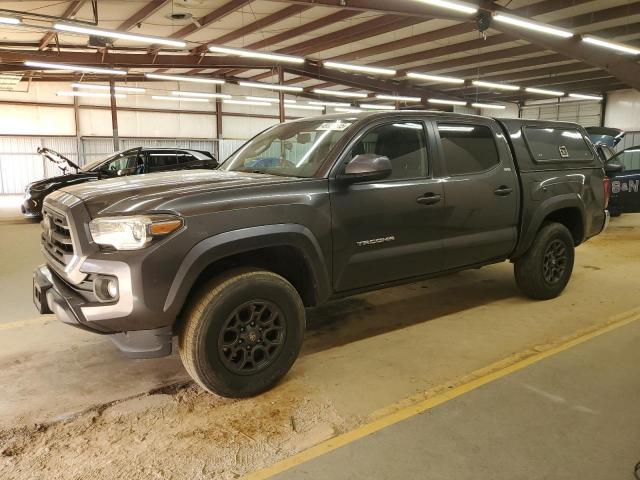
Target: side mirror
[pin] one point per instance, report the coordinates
(613, 167)
(367, 167)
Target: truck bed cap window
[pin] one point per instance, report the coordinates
(548, 144)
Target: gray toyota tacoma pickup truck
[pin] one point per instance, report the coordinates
(306, 212)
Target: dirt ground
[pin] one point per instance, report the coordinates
(363, 357)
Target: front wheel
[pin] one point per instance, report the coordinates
(242, 333)
(544, 271)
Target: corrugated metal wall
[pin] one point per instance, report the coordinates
(20, 164)
(586, 114)
(631, 139)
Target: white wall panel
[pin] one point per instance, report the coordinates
(623, 110)
(36, 120)
(244, 128)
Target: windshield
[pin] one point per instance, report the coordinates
(290, 149)
(87, 167)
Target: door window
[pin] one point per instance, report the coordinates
(404, 143)
(185, 157)
(468, 148)
(629, 158)
(120, 163)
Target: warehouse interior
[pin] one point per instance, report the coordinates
(457, 376)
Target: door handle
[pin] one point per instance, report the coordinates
(428, 199)
(503, 191)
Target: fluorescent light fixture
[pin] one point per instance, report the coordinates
(347, 110)
(585, 97)
(306, 107)
(339, 93)
(412, 126)
(179, 99)
(248, 102)
(447, 102)
(398, 98)
(89, 94)
(10, 20)
(538, 27)
(372, 106)
(435, 78)
(241, 52)
(455, 128)
(269, 99)
(92, 86)
(184, 78)
(500, 86)
(74, 68)
(488, 105)
(271, 86)
(180, 93)
(458, 7)
(101, 32)
(611, 45)
(359, 68)
(331, 104)
(542, 91)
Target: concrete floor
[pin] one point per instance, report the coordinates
(574, 415)
(363, 357)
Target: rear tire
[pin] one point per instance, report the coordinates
(544, 271)
(242, 332)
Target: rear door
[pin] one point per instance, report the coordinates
(625, 186)
(481, 192)
(391, 229)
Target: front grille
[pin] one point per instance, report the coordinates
(56, 236)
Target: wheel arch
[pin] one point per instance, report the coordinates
(263, 247)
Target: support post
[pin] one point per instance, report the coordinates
(281, 94)
(219, 132)
(79, 146)
(603, 109)
(114, 115)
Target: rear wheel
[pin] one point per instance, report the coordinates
(242, 333)
(544, 271)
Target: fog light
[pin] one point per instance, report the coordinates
(106, 289)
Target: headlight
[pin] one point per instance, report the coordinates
(40, 187)
(134, 232)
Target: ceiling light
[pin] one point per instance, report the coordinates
(339, 93)
(585, 97)
(101, 32)
(488, 105)
(458, 7)
(500, 86)
(184, 78)
(371, 106)
(10, 20)
(611, 45)
(246, 102)
(347, 110)
(74, 68)
(91, 86)
(398, 98)
(306, 107)
(435, 78)
(538, 27)
(241, 52)
(269, 99)
(199, 94)
(331, 104)
(359, 68)
(271, 86)
(179, 99)
(542, 91)
(447, 102)
(89, 94)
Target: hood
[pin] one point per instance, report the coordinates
(156, 190)
(62, 162)
(60, 181)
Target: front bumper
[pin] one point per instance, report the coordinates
(52, 295)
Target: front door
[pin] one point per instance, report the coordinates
(481, 190)
(625, 185)
(390, 229)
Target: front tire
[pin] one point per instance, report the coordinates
(544, 271)
(242, 333)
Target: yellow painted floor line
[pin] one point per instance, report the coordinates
(26, 323)
(438, 399)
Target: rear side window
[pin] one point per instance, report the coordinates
(557, 144)
(184, 157)
(160, 159)
(468, 148)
